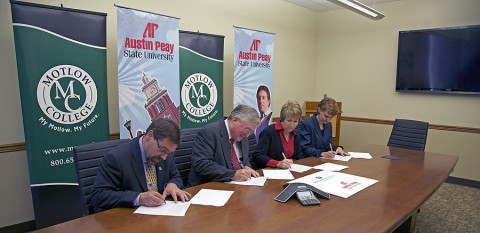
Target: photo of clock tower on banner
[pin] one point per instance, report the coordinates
(148, 70)
(253, 73)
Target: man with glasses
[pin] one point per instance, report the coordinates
(140, 172)
(220, 149)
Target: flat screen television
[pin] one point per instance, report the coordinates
(444, 60)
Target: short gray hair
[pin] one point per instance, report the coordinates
(245, 113)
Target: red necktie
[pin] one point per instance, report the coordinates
(235, 162)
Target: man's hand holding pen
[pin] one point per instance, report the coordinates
(244, 174)
(151, 198)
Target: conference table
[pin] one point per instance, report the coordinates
(403, 186)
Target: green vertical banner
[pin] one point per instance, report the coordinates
(201, 78)
(61, 62)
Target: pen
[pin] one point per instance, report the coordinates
(285, 157)
(331, 147)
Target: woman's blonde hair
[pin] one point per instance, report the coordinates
(291, 108)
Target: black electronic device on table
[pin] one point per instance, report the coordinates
(304, 189)
(306, 197)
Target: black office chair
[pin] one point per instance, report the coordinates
(183, 153)
(252, 145)
(409, 134)
(87, 159)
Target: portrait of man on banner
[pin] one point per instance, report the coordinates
(263, 104)
(253, 73)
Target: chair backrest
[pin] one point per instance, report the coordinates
(252, 145)
(87, 159)
(409, 134)
(183, 154)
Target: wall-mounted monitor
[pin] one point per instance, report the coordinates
(444, 60)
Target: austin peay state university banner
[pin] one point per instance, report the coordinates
(201, 78)
(61, 62)
(253, 71)
(148, 70)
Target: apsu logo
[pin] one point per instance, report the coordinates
(67, 94)
(254, 46)
(199, 94)
(150, 30)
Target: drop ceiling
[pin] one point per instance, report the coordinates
(324, 5)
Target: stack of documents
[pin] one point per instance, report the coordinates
(330, 167)
(254, 181)
(356, 155)
(341, 158)
(170, 208)
(299, 168)
(278, 174)
(360, 155)
(336, 183)
(211, 197)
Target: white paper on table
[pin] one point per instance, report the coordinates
(360, 155)
(330, 167)
(254, 181)
(278, 174)
(211, 197)
(340, 158)
(170, 208)
(336, 183)
(299, 168)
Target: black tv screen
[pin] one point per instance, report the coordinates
(445, 60)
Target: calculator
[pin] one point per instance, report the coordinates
(306, 197)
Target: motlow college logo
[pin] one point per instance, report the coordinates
(199, 95)
(67, 94)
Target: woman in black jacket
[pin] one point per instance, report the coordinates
(278, 144)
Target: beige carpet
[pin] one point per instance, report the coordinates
(453, 208)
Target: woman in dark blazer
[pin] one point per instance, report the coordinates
(278, 144)
(316, 132)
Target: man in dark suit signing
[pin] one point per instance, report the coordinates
(140, 172)
(220, 150)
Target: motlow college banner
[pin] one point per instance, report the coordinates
(61, 63)
(201, 78)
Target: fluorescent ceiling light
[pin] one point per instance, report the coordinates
(359, 8)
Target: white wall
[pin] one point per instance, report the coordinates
(295, 57)
(356, 64)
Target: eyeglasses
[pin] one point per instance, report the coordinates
(163, 149)
(248, 131)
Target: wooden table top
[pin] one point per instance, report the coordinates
(404, 185)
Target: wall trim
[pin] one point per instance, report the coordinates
(431, 126)
(13, 147)
(20, 227)
(463, 182)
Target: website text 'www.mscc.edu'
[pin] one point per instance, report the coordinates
(58, 150)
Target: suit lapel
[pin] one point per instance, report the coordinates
(137, 164)
(159, 170)
(225, 142)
